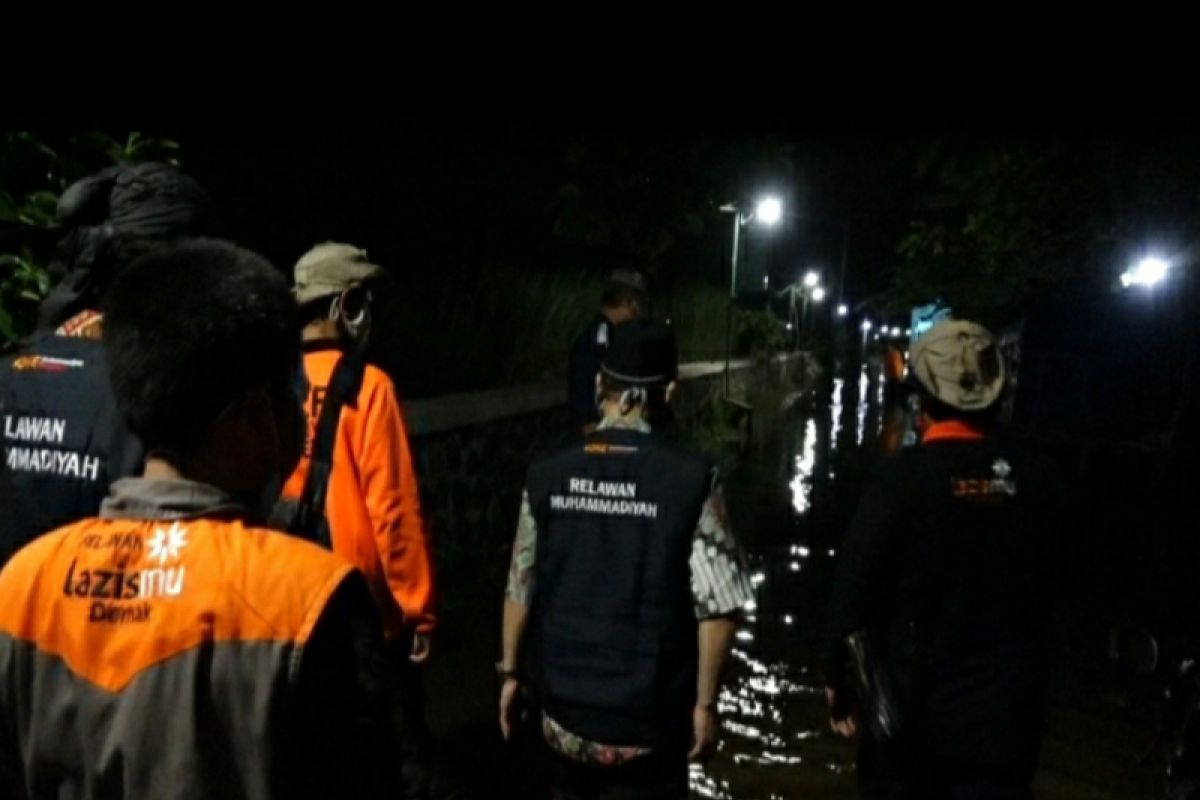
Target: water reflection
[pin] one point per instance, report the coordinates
(776, 742)
(806, 462)
(864, 401)
(835, 415)
(704, 786)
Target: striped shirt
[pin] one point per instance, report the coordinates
(719, 587)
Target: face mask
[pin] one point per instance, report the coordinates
(359, 328)
(355, 323)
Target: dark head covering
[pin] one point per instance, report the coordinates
(642, 353)
(111, 218)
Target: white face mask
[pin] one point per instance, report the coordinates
(358, 327)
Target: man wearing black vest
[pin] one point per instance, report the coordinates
(946, 573)
(629, 579)
(624, 298)
(62, 441)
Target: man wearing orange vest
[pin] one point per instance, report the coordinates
(355, 488)
(171, 647)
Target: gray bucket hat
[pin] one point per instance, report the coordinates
(960, 364)
(332, 268)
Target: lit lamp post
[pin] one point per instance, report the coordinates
(767, 211)
(799, 294)
(810, 290)
(1148, 272)
(866, 329)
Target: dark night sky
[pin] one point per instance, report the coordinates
(429, 196)
(409, 197)
(426, 197)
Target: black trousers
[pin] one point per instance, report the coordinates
(656, 776)
(901, 771)
(414, 741)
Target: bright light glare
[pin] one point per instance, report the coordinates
(1148, 272)
(769, 210)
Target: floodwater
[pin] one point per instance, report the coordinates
(791, 494)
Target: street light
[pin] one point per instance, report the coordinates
(808, 290)
(843, 310)
(1148, 272)
(768, 212)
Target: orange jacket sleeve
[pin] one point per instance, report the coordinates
(389, 489)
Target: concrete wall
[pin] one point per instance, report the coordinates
(472, 450)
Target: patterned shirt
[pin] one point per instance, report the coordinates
(719, 587)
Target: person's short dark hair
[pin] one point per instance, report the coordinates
(656, 408)
(313, 311)
(191, 328)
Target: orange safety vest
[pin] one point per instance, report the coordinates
(373, 505)
(130, 648)
(952, 430)
(894, 365)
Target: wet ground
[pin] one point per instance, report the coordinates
(790, 496)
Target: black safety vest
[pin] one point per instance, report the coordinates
(587, 354)
(62, 441)
(613, 619)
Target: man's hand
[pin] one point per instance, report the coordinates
(704, 732)
(422, 646)
(840, 718)
(510, 707)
